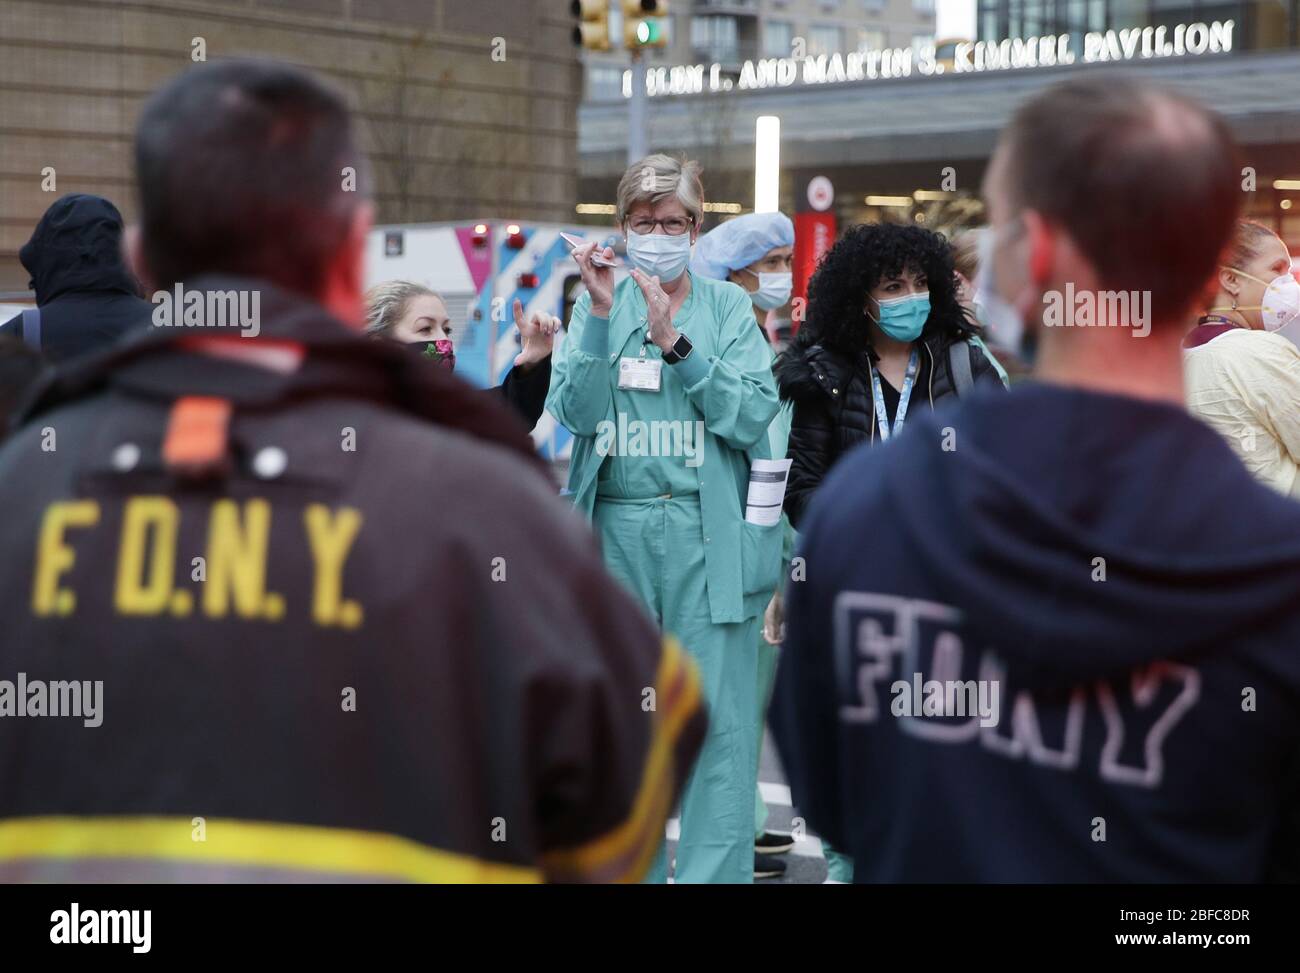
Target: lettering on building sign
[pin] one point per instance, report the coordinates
(923, 60)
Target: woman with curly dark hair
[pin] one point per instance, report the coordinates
(885, 334)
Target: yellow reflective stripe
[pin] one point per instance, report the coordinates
(249, 843)
(625, 853)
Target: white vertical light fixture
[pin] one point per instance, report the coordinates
(767, 164)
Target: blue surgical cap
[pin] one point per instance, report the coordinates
(740, 242)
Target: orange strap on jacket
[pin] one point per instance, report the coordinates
(197, 435)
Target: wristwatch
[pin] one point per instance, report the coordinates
(680, 350)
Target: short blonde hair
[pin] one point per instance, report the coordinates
(387, 302)
(659, 177)
(966, 252)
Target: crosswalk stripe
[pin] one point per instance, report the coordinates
(809, 846)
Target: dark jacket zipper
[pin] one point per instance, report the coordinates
(932, 366)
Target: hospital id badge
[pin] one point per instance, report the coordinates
(640, 374)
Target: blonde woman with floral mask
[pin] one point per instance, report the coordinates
(415, 316)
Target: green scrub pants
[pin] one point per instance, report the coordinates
(839, 868)
(656, 548)
(766, 679)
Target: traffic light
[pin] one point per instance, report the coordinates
(645, 24)
(592, 29)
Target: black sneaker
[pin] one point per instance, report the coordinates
(766, 866)
(773, 844)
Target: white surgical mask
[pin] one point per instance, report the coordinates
(774, 289)
(659, 254)
(1004, 324)
(1280, 304)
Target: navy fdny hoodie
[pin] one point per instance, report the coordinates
(1051, 636)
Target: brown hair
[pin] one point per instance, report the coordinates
(242, 168)
(1246, 243)
(1147, 183)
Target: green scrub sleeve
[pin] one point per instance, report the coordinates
(595, 336)
(579, 397)
(735, 390)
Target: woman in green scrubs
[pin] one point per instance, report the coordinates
(667, 388)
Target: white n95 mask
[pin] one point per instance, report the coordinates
(1280, 304)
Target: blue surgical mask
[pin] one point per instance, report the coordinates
(659, 254)
(903, 318)
(773, 289)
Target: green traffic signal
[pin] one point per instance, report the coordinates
(649, 32)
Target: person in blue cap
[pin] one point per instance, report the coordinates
(756, 252)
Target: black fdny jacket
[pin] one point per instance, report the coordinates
(88, 299)
(831, 392)
(341, 625)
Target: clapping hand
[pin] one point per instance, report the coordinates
(659, 311)
(598, 280)
(538, 330)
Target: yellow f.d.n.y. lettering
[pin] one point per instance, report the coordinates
(143, 519)
(54, 557)
(237, 562)
(331, 536)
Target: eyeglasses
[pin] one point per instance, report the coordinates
(674, 226)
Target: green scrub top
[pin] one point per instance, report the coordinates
(659, 429)
(729, 384)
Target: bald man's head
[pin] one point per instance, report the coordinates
(1146, 183)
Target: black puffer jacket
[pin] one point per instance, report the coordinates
(833, 412)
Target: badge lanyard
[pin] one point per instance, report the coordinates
(904, 396)
(645, 320)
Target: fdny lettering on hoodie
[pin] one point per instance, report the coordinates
(881, 639)
(233, 581)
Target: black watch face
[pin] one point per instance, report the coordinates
(682, 346)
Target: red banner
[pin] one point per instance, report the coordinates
(814, 234)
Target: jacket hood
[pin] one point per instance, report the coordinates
(1128, 533)
(77, 246)
(163, 363)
